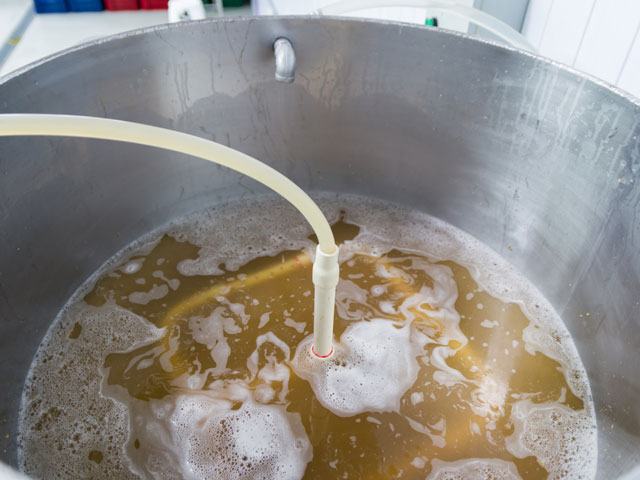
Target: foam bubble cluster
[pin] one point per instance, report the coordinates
(386, 226)
(372, 367)
(251, 229)
(199, 435)
(62, 395)
(196, 436)
(473, 469)
(562, 439)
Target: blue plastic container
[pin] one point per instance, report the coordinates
(85, 5)
(50, 6)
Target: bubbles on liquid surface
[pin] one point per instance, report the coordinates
(379, 365)
(372, 367)
(198, 436)
(486, 469)
(556, 435)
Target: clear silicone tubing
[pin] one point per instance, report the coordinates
(325, 271)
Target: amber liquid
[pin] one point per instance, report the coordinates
(371, 445)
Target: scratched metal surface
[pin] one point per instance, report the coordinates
(539, 162)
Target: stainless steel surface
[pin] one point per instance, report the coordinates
(539, 162)
(285, 60)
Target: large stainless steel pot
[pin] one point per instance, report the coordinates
(510, 147)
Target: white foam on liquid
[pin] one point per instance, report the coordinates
(372, 366)
(62, 392)
(385, 226)
(556, 435)
(251, 230)
(265, 226)
(198, 436)
(474, 468)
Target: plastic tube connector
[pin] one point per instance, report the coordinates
(326, 273)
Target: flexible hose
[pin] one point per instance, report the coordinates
(325, 271)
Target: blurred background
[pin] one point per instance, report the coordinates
(599, 37)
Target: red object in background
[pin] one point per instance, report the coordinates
(121, 4)
(154, 4)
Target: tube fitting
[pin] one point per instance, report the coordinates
(285, 60)
(326, 273)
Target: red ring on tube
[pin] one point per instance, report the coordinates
(321, 356)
